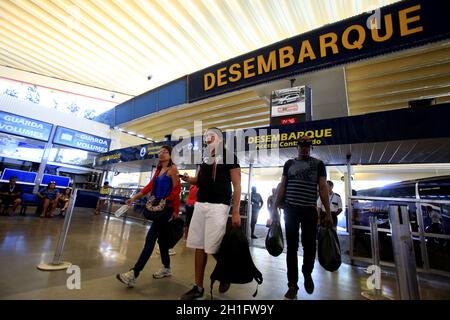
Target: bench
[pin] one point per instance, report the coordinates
(29, 199)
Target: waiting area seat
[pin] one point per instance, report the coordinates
(29, 199)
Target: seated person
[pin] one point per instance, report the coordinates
(104, 191)
(63, 202)
(10, 195)
(49, 198)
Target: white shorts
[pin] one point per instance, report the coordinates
(208, 226)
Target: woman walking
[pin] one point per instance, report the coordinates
(164, 187)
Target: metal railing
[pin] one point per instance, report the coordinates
(420, 233)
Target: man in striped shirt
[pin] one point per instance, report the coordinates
(304, 178)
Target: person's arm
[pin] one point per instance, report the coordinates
(323, 192)
(261, 203)
(66, 204)
(339, 201)
(144, 191)
(190, 180)
(236, 181)
(173, 173)
(319, 204)
(281, 190)
(136, 197)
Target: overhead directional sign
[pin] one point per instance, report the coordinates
(81, 140)
(24, 127)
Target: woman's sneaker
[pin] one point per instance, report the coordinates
(194, 294)
(162, 273)
(127, 278)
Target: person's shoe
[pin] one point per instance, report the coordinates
(127, 278)
(194, 294)
(223, 287)
(309, 284)
(172, 252)
(162, 273)
(254, 237)
(291, 294)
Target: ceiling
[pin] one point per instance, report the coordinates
(116, 44)
(391, 81)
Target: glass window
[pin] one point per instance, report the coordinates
(21, 148)
(71, 156)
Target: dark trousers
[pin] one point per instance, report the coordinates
(158, 231)
(255, 213)
(189, 212)
(306, 218)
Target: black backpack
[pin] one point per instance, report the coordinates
(234, 261)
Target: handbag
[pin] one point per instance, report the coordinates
(176, 231)
(154, 208)
(329, 251)
(274, 239)
(155, 205)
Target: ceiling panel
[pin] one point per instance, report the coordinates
(116, 44)
(391, 81)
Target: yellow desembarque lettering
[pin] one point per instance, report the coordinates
(329, 45)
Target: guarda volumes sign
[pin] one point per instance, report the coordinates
(81, 140)
(399, 26)
(24, 127)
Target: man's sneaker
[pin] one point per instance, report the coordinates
(223, 287)
(127, 278)
(309, 284)
(162, 273)
(194, 294)
(291, 294)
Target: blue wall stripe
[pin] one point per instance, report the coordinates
(166, 96)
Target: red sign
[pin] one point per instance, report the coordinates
(288, 121)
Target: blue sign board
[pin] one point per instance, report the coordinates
(81, 140)
(22, 176)
(25, 127)
(60, 181)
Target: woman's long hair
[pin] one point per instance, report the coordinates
(169, 149)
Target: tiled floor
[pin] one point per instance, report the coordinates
(102, 247)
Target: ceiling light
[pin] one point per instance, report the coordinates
(131, 132)
(141, 136)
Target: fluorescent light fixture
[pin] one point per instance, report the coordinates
(120, 129)
(141, 136)
(131, 132)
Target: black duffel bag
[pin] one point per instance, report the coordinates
(175, 231)
(329, 249)
(274, 239)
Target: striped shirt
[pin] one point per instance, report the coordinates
(302, 176)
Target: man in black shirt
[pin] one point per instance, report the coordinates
(209, 220)
(10, 194)
(302, 178)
